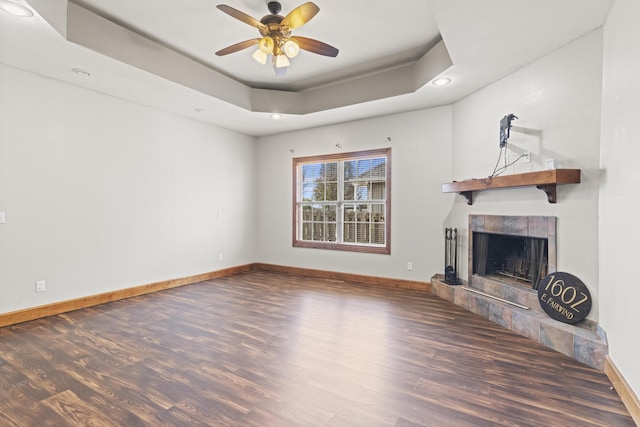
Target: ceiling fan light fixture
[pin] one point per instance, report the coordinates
(260, 56)
(266, 44)
(291, 48)
(275, 32)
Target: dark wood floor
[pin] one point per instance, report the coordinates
(266, 349)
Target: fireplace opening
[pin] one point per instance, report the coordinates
(519, 260)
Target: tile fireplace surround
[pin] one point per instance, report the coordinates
(585, 341)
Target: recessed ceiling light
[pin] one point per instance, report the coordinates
(15, 9)
(81, 72)
(275, 116)
(441, 81)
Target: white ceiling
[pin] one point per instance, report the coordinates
(160, 53)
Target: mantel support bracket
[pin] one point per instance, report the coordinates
(550, 189)
(467, 195)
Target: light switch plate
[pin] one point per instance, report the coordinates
(2, 218)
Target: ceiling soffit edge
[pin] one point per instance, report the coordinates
(385, 84)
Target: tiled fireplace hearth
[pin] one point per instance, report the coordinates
(512, 278)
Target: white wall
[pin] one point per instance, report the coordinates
(102, 194)
(620, 189)
(557, 100)
(421, 161)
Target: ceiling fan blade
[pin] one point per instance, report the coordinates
(241, 16)
(236, 47)
(315, 46)
(300, 15)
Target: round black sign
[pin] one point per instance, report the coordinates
(564, 297)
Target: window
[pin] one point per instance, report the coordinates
(342, 201)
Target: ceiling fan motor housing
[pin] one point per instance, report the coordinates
(274, 18)
(274, 7)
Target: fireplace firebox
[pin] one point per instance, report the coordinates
(521, 260)
(519, 250)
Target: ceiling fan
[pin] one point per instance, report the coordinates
(276, 39)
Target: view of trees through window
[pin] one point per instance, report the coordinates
(342, 200)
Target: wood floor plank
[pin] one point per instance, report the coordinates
(264, 348)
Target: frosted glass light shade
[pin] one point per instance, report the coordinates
(291, 48)
(266, 45)
(282, 61)
(260, 56)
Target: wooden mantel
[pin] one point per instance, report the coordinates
(544, 180)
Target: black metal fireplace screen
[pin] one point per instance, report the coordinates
(522, 259)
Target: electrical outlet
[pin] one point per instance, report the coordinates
(526, 157)
(41, 286)
(409, 265)
(219, 257)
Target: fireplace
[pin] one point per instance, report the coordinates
(510, 301)
(519, 250)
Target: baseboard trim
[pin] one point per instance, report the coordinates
(52, 309)
(33, 313)
(625, 392)
(348, 277)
